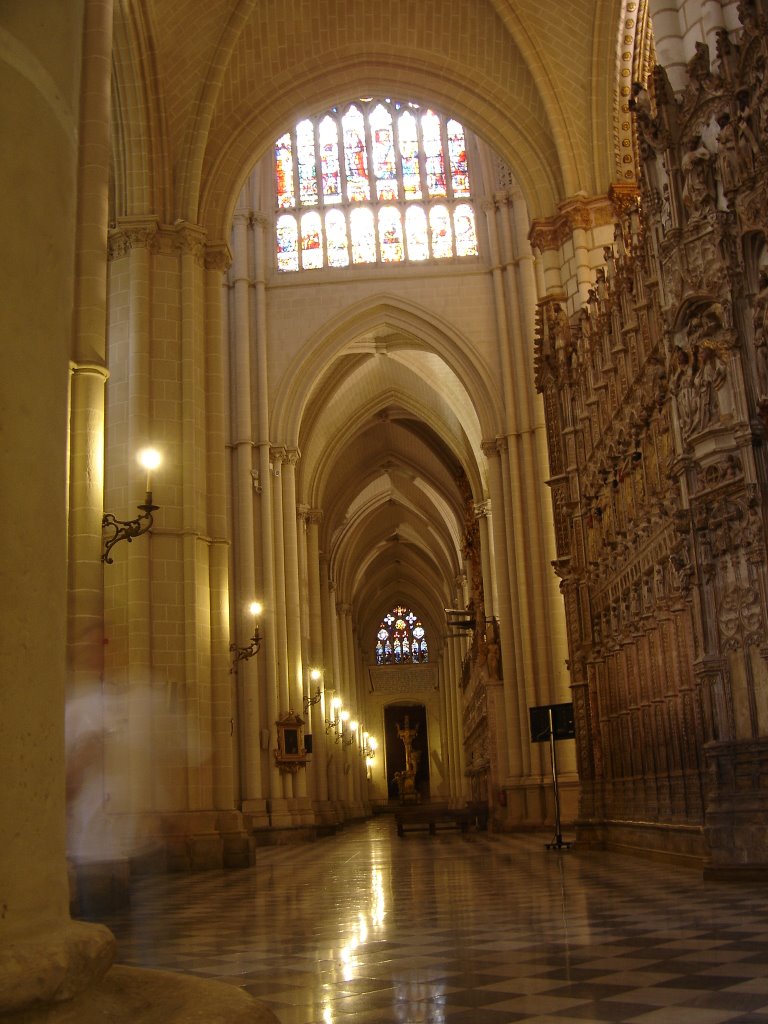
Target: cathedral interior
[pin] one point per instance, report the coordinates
(381, 381)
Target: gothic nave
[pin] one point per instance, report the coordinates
(399, 374)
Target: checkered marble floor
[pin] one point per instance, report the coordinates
(369, 928)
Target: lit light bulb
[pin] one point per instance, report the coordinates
(149, 459)
(353, 725)
(373, 743)
(345, 715)
(315, 674)
(255, 608)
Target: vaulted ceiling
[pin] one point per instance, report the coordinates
(390, 430)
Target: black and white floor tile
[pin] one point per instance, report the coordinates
(369, 928)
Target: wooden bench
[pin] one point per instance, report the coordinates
(434, 817)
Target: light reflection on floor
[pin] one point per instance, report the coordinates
(453, 929)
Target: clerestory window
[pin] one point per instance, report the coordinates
(401, 638)
(377, 181)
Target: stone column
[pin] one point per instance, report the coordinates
(43, 955)
(217, 259)
(320, 710)
(510, 755)
(89, 839)
(280, 649)
(278, 808)
(249, 674)
(295, 670)
(482, 514)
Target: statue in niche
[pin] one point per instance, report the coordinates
(710, 377)
(748, 149)
(682, 386)
(760, 324)
(727, 156)
(406, 779)
(559, 333)
(699, 193)
(408, 735)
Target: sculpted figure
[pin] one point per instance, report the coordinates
(727, 154)
(709, 378)
(760, 323)
(682, 386)
(407, 735)
(698, 186)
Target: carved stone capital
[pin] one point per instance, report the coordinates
(577, 213)
(133, 233)
(483, 509)
(218, 256)
(189, 239)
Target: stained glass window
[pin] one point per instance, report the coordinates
(409, 155)
(336, 239)
(400, 638)
(329, 160)
(356, 155)
(433, 155)
(287, 243)
(363, 236)
(440, 229)
(383, 146)
(284, 171)
(305, 149)
(393, 179)
(311, 241)
(416, 233)
(464, 228)
(457, 152)
(390, 235)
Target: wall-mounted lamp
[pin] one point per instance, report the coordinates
(315, 675)
(349, 739)
(334, 722)
(127, 529)
(370, 746)
(244, 653)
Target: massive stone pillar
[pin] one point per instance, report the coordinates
(51, 968)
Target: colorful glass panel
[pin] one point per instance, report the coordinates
(286, 197)
(336, 243)
(355, 155)
(416, 233)
(457, 155)
(363, 236)
(380, 151)
(330, 167)
(409, 155)
(440, 230)
(305, 151)
(464, 228)
(287, 243)
(434, 161)
(391, 242)
(383, 152)
(311, 242)
(400, 638)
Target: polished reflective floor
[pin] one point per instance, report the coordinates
(460, 929)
